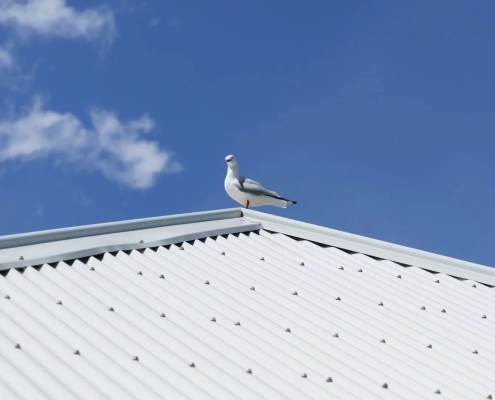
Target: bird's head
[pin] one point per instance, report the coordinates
(231, 161)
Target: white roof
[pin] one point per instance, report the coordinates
(282, 310)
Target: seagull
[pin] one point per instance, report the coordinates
(248, 192)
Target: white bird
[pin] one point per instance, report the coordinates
(248, 192)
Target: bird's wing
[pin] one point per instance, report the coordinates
(254, 188)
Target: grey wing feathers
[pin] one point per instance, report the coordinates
(253, 187)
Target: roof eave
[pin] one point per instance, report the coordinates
(25, 239)
(36, 248)
(375, 248)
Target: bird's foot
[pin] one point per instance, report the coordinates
(247, 204)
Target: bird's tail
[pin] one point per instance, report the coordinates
(282, 202)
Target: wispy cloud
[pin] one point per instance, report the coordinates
(112, 147)
(173, 23)
(40, 210)
(80, 198)
(6, 59)
(54, 18)
(50, 19)
(155, 22)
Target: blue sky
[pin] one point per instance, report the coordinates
(377, 117)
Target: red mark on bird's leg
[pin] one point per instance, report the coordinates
(247, 204)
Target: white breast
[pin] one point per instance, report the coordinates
(233, 192)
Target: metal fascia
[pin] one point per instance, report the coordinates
(89, 247)
(373, 247)
(26, 239)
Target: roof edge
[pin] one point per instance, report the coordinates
(316, 233)
(206, 229)
(26, 239)
(374, 247)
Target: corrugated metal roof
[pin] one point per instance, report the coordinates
(375, 248)
(36, 248)
(243, 316)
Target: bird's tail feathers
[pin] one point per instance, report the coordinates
(284, 199)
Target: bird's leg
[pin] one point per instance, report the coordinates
(247, 204)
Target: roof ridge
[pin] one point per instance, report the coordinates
(52, 235)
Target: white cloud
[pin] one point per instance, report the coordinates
(6, 59)
(112, 147)
(54, 18)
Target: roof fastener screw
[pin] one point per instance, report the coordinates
(140, 273)
(475, 352)
(304, 375)
(341, 268)
(430, 346)
(17, 346)
(288, 330)
(338, 299)
(262, 258)
(7, 297)
(162, 277)
(207, 282)
(380, 303)
(335, 335)
(423, 307)
(437, 281)
(59, 302)
(111, 309)
(141, 241)
(484, 316)
(192, 365)
(238, 323)
(383, 341)
(162, 315)
(398, 276)
(252, 288)
(181, 248)
(21, 258)
(77, 353)
(222, 253)
(136, 358)
(294, 293)
(214, 319)
(438, 391)
(329, 379)
(385, 386)
(302, 264)
(443, 310)
(474, 286)
(249, 371)
(360, 270)
(489, 397)
(91, 269)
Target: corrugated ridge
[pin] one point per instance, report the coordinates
(186, 270)
(335, 273)
(302, 255)
(254, 315)
(202, 327)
